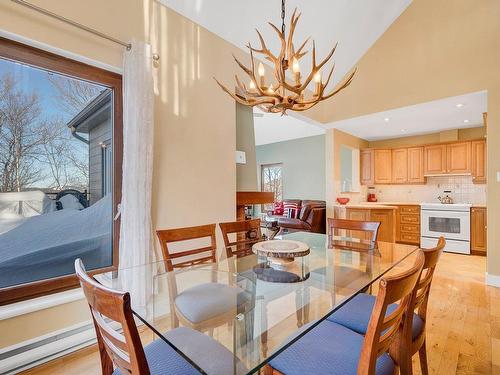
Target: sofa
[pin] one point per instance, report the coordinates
(309, 215)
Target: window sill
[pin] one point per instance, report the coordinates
(40, 303)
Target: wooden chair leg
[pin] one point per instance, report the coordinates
(422, 355)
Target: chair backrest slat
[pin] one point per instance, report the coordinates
(247, 234)
(168, 236)
(383, 330)
(424, 285)
(109, 307)
(370, 227)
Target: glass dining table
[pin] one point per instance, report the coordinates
(249, 308)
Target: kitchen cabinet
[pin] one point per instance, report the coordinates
(386, 217)
(386, 230)
(367, 169)
(478, 230)
(408, 224)
(478, 161)
(451, 158)
(458, 158)
(416, 165)
(400, 165)
(435, 159)
(383, 166)
(359, 214)
(411, 165)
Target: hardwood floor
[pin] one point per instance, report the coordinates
(463, 334)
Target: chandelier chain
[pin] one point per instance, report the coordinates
(283, 14)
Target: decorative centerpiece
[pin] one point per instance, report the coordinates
(281, 252)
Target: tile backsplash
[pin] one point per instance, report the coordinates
(462, 191)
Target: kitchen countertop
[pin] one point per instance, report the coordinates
(367, 206)
(389, 205)
(393, 203)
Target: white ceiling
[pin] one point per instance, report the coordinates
(424, 118)
(354, 24)
(271, 128)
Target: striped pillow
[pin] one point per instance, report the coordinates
(291, 210)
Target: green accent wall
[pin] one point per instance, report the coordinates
(303, 166)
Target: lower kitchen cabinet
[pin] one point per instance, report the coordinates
(478, 230)
(386, 230)
(386, 217)
(408, 225)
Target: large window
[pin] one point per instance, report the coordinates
(60, 163)
(271, 179)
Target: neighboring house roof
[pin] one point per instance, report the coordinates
(95, 113)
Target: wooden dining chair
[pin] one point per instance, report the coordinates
(370, 228)
(333, 349)
(206, 305)
(355, 314)
(120, 346)
(423, 288)
(246, 233)
(200, 255)
(124, 350)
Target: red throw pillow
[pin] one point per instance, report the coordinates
(291, 210)
(278, 208)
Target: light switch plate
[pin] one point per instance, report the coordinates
(498, 176)
(241, 157)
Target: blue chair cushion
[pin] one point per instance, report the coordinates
(329, 349)
(205, 301)
(356, 314)
(207, 353)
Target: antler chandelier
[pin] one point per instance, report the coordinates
(282, 95)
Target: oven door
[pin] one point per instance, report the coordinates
(452, 225)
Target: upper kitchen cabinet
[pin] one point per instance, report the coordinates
(435, 159)
(458, 158)
(479, 161)
(383, 166)
(400, 165)
(367, 169)
(416, 165)
(451, 158)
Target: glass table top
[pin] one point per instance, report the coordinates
(250, 308)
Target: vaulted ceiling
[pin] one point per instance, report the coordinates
(354, 24)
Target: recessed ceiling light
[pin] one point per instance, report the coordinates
(459, 105)
(403, 130)
(387, 119)
(466, 121)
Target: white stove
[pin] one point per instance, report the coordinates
(449, 220)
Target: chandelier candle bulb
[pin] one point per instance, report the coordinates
(317, 79)
(252, 85)
(262, 72)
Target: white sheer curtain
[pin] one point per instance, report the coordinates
(136, 245)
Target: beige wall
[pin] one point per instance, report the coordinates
(194, 169)
(455, 135)
(435, 49)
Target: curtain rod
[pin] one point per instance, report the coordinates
(128, 46)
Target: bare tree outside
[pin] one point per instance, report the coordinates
(272, 181)
(73, 95)
(20, 136)
(37, 150)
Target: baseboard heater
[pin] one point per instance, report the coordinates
(31, 353)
